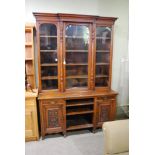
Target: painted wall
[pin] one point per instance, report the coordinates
(114, 8)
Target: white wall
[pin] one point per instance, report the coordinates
(114, 8)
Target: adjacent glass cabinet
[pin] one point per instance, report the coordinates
(74, 71)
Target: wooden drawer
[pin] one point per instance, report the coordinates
(104, 98)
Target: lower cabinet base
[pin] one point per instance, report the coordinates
(67, 114)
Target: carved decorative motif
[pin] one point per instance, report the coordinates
(53, 121)
(104, 113)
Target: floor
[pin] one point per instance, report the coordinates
(82, 142)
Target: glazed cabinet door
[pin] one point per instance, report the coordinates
(48, 56)
(105, 110)
(52, 116)
(76, 60)
(103, 56)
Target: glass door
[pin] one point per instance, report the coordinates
(103, 43)
(76, 55)
(48, 56)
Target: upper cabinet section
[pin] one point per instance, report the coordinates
(74, 52)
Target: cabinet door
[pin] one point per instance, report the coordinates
(53, 116)
(77, 44)
(103, 55)
(105, 110)
(48, 56)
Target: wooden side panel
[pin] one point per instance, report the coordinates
(31, 121)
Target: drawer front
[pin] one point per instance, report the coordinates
(52, 102)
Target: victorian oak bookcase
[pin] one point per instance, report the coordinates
(74, 71)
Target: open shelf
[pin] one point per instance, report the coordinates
(28, 59)
(79, 106)
(28, 44)
(79, 111)
(79, 122)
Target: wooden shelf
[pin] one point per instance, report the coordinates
(77, 37)
(29, 74)
(103, 38)
(102, 63)
(98, 76)
(86, 51)
(49, 64)
(28, 59)
(28, 29)
(76, 64)
(79, 126)
(77, 76)
(28, 44)
(79, 104)
(49, 77)
(103, 51)
(78, 111)
(48, 36)
(48, 50)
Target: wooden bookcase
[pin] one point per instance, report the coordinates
(29, 55)
(74, 71)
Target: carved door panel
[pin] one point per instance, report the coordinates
(104, 111)
(53, 117)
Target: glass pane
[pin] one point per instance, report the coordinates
(77, 57)
(77, 43)
(48, 57)
(47, 43)
(48, 30)
(103, 44)
(102, 57)
(102, 70)
(79, 70)
(104, 32)
(101, 82)
(77, 30)
(49, 71)
(49, 84)
(77, 82)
